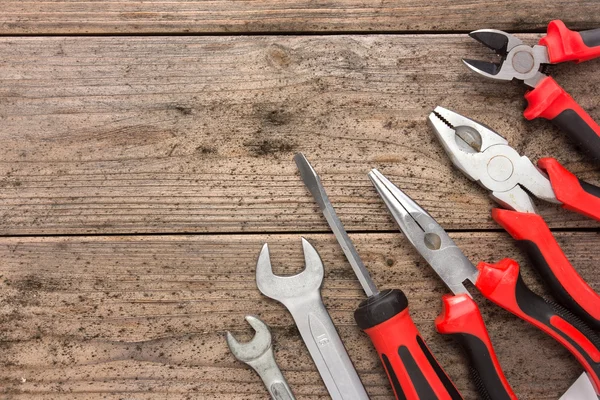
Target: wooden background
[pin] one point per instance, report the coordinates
(146, 154)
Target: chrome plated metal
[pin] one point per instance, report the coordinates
(519, 61)
(314, 185)
(258, 354)
(581, 389)
(301, 295)
(486, 158)
(427, 236)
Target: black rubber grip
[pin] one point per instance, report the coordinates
(591, 189)
(379, 308)
(556, 288)
(450, 388)
(400, 395)
(542, 310)
(579, 131)
(417, 378)
(591, 38)
(486, 378)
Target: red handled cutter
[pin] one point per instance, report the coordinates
(485, 157)
(501, 283)
(526, 63)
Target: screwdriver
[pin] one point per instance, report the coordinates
(413, 371)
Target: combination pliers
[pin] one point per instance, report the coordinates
(527, 63)
(486, 157)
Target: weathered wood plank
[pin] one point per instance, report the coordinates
(144, 317)
(181, 16)
(192, 134)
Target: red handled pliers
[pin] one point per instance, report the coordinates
(501, 283)
(547, 99)
(485, 157)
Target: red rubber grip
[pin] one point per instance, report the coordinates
(564, 44)
(547, 100)
(568, 189)
(502, 284)
(409, 364)
(550, 101)
(553, 265)
(461, 318)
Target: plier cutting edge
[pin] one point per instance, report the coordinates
(486, 157)
(501, 283)
(526, 63)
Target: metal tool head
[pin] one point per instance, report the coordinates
(486, 158)
(499, 41)
(259, 345)
(282, 288)
(314, 185)
(518, 61)
(427, 236)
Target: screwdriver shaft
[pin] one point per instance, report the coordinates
(314, 185)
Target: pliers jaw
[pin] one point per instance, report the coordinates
(426, 235)
(486, 158)
(519, 61)
(463, 139)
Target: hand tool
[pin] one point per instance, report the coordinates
(258, 353)
(581, 389)
(485, 157)
(301, 295)
(501, 283)
(409, 364)
(460, 317)
(547, 99)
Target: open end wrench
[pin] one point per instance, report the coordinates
(301, 295)
(258, 353)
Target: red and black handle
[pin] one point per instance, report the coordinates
(502, 284)
(576, 195)
(412, 370)
(550, 101)
(565, 283)
(461, 319)
(564, 44)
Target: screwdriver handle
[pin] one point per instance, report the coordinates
(502, 284)
(411, 368)
(461, 319)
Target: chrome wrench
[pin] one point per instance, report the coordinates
(301, 295)
(258, 354)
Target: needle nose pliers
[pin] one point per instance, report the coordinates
(527, 63)
(486, 157)
(500, 283)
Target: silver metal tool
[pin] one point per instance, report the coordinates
(519, 61)
(486, 158)
(301, 295)
(427, 236)
(581, 389)
(258, 354)
(313, 183)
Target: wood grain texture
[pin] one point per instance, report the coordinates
(220, 16)
(144, 316)
(197, 134)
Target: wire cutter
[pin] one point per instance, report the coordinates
(501, 283)
(526, 63)
(485, 157)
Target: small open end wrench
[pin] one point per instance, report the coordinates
(258, 353)
(301, 295)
